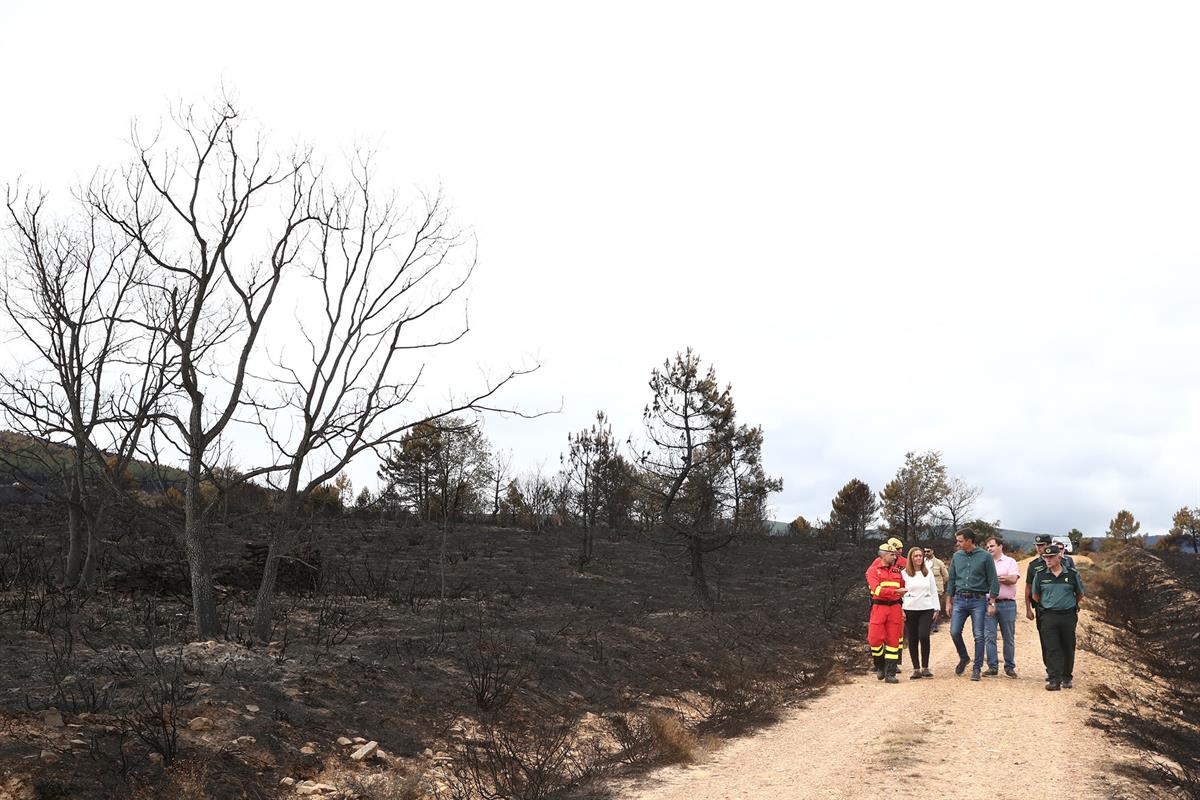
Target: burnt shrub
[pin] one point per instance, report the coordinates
(532, 760)
(497, 666)
(155, 689)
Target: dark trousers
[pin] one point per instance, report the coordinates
(916, 634)
(1058, 643)
(1037, 615)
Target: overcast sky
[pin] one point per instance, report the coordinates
(953, 226)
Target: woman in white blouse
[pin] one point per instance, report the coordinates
(920, 611)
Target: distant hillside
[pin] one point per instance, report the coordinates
(1022, 539)
(24, 458)
(1184, 547)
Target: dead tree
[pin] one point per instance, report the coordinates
(84, 397)
(197, 213)
(379, 275)
(957, 504)
(501, 472)
(536, 488)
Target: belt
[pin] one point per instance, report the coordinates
(886, 602)
(970, 594)
(1011, 600)
(1060, 610)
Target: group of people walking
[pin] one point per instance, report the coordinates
(910, 594)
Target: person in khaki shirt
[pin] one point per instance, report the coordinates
(941, 573)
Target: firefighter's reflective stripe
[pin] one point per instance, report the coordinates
(885, 585)
(891, 653)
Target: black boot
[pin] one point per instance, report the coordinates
(879, 667)
(891, 674)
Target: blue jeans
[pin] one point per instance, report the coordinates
(976, 609)
(1006, 621)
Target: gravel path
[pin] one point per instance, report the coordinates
(940, 737)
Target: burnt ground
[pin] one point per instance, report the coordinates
(1150, 606)
(530, 676)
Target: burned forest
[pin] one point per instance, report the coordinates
(194, 599)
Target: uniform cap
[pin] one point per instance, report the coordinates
(896, 544)
(1053, 550)
(1042, 538)
(888, 547)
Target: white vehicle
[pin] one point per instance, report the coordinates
(1065, 541)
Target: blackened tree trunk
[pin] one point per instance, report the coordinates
(76, 538)
(195, 545)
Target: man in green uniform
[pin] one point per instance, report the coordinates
(1058, 591)
(1032, 610)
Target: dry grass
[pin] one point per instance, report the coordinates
(671, 739)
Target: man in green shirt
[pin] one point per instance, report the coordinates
(971, 591)
(1058, 591)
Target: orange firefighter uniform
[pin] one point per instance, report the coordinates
(887, 617)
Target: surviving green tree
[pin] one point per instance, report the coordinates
(909, 499)
(440, 470)
(1123, 526)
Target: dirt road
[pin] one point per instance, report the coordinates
(987, 739)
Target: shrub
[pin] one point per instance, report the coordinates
(520, 763)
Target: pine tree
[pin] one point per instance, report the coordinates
(701, 471)
(854, 509)
(1123, 526)
(1186, 522)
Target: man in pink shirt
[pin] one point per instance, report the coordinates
(1002, 614)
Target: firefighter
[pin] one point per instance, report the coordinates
(901, 563)
(885, 580)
